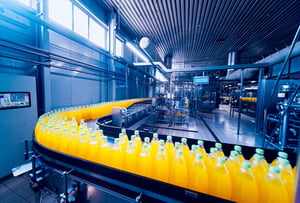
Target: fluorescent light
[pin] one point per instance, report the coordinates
(137, 52)
(253, 81)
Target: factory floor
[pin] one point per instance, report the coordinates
(217, 126)
(17, 190)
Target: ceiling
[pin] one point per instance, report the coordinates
(202, 32)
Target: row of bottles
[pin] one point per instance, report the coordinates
(213, 173)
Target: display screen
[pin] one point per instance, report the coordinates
(11, 100)
(201, 80)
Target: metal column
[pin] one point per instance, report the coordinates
(240, 101)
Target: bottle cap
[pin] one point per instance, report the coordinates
(237, 148)
(234, 153)
(120, 134)
(199, 156)
(177, 144)
(246, 164)
(133, 137)
(218, 145)
(161, 149)
(213, 150)
(221, 160)
(275, 169)
(104, 138)
(195, 147)
(147, 139)
(184, 140)
(169, 137)
(145, 145)
(161, 142)
(200, 142)
(93, 135)
(259, 151)
(283, 155)
(117, 140)
(123, 130)
(136, 132)
(130, 143)
(100, 131)
(155, 135)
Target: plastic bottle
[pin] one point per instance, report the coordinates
(161, 166)
(130, 159)
(246, 190)
(193, 155)
(238, 149)
(288, 177)
(93, 148)
(220, 150)
(145, 161)
(83, 144)
(64, 141)
(73, 143)
(123, 131)
(273, 189)
(104, 151)
(233, 164)
(186, 151)
(138, 141)
(117, 156)
(221, 186)
(281, 155)
(169, 146)
(259, 168)
(201, 149)
(198, 176)
(123, 141)
(154, 144)
(178, 173)
(261, 153)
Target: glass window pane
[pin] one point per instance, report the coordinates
(97, 34)
(61, 12)
(80, 22)
(119, 48)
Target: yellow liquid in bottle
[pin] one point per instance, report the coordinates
(161, 166)
(178, 171)
(130, 158)
(198, 178)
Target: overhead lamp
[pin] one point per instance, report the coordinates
(137, 52)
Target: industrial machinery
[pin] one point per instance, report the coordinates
(283, 128)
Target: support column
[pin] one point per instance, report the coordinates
(240, 101)
(112, 50)
(43, 72)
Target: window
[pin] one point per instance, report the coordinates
(81, 24)
(97, 34)
(61, 12)
(119, 48)
(29, 3)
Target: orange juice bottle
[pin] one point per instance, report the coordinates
(73, 143)
(104, 152)
(259, 152)
(273, 189)
(246, 189)
(93, 148)
(169, 146)
(48, 135)
(154, 144)
(212, 159)
(288, 177)
(123, 141)
(54, 138)
(198, 177)
(130, 158)
(125, 137)
(238, 149)
(83, 144)
(221, 187)
(201, 149)
(138, 141)
(186, 151)
(161, 166)
(281, 155)
(178, 172)
(145, 161)
(259, 169)
(233, 165)
(64, 140)
(117, 156)
(192, 156)
(43, 133)
(220, 150)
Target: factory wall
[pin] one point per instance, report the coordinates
(83, 77)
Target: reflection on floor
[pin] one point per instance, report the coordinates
(216, 126)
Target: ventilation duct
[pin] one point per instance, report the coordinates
(235, 74)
